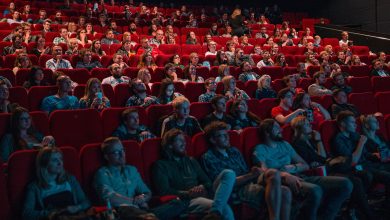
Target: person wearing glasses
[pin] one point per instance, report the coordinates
(57, 62)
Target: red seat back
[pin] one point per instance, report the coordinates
(193, 90)
(37, 93)
(382, 99)
(18, 95)
(249, 139)
(365, 102)
(328, 130)
(380, 84)
(200, 109)
(360, 84)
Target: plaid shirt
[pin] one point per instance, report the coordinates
(247, 76)
(63, 64)
(190, 127)
(137, 101)
(123, 134)
(206, 97)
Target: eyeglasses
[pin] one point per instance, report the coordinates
(117, 152)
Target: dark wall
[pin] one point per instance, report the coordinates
(357, 12)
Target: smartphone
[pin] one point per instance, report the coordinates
(99, 95)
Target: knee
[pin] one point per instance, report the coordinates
(228, 174)
(273, 176)
(286, 195)
(316, 194)
(347, 186)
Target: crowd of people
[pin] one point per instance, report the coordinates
(274, 178)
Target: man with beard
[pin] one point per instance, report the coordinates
(211, 87)
(181, 175)
(181, 118)
(130, 128)
(283, 112)
(116, 78)
(253, 186)
(275, 153)
(57, 62)
(122, 186)
(16, 46)
(140, 98)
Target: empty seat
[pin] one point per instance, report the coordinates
(18, 95)
(122, 93)
(380, 84)
(382, 99)
(155, 113)
(193, 90)
(276, 72)
(250, 88)
(5, 211)
(79, 76)
(161, 59)
(360, 50)
(365, 102)
(76, 127)
(40, 121)
(150, 151)
(23, 74)
(100, 73)
(200, 109)
(7, 73)
(266, 106)
(360, 70)
(37, 93)
(170, 49)
(360, 84)
(188, 49)
(249, 139)
(328, 130)
(332, 41)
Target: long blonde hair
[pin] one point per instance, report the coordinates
(87, 91)
(297, 125)
(236, 12)
(42, 163)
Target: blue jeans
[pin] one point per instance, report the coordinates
(332, 190)
(223, 186)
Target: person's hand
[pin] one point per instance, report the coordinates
(363, 139)
(73, 209)
(376, 155)
(48, 141)
(197, 191)
(293, 182)
(300, 111)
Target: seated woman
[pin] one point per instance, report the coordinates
(355, 61)
(170, 72)
(147, 61)
(22, 62)
(94, 96)
(23, 135)
(82, 37)
(89, 29)
(223, 70)
(191, 38)
(175, 60)
(221, 58)
(314, 112)
(280, 60)
(55, 192)
(41, 47)
(145, 77)
(264, 89)
(231, 91)
(36, 78)
(167, 92)
(130, 129)
(96, 48)
(376, 143)
(243, 118)
(62, 100)
(191, 75)
(283, 113)
(86, 62)
(5, 104)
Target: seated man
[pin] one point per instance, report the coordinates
(181, 175)
(57, 62)
(283, 113)
(109, 38)
(211, 87)
(252, 186)
(275, 153)
(340, 99)
(63, 38)
(181, 118)
(348, 143)
(16, 46)
(377, 69)
(140, 98)
(266, 61)
(86, 60)
(247, 73)
(121, 185)
(73, 47)
(339, 83)
(116, 78)
(146, 48)
(318, 88)
(130, 129)
(62, 100)
(158, 39)
(219, 114)
(118, 59)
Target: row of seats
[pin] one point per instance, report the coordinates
(78, 127)
(89, 159)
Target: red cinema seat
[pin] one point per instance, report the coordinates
(266, 106)
(106, 60)
(76, 127)
(5, 121)
(360, 50)
(200, 109)
(250, 88)
(122, 93)
(203, 71)
(150, 151)
(193, 90)
(79, 76)
(43, 59)
(114, 48)
(170, 49)
(111, 119)
(249, 139)
(304, 83)
(387, 122)
(155, 114)
(276, 72)
(289, 70)
(7, 73)
(360, 84)
(382, 99)
(37, 93)
(79, 91)
(40, 121)
(9, 61)
(332, 41)
(158, 75)
(18, 95)
(312, 69)
(131, 72)
(179, 87)
(100, 73)
(161, 59)
(23, 74)
(188, 49)
(364, 101)
(328, 130)
(5, 211)
(359, 70)
(91, 159)
(380, 84)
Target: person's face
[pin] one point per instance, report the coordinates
(146, 77)
(341, 98)
(288, 100)
(58, 15)
(42, 14)
(24, 61)
(292, 82)
(356, 59)
(66, 85)
(18, 41)
(307, 31)
(118, 59)
(212, 46)
(212, 86)
(39, 75)
(321, 79)
(235, 39)
(183, 111)
(276, 133)
(4, 92)
(179, 145)
(89, 27)
(378, 65)
(341, 55)
(232, 84)
(159, 35)
(242, 107)
(382, 56)
(116, 155)
(350, 124)
(339, 80)
(263, 30)
(149, 58)
(73, 44)
(82, 21)
(140, 87)
(145, 43)
(221, 139)
(306, 101)
(170, 90)
(133, 26)
(12, 5)
(192, 70)
(116, 70)
(195, 60)
(266, 83)
(56, 164)
(16, 15)
(192, 35)
(325, 56)
(282, 59)
(46, 25)
(220, 106)
(24, 121)
(229, 29)
(310, 46)
(113, 25)
(132, 121)
(257, 50)
(64, 33)
(110, 35)
(275, 48)
(95, 87)
(270, 41)
(57, 52)
(247, 67)
(83, 33)
(266, 55)
(373, 124)
(311, 57)
(345, 36)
